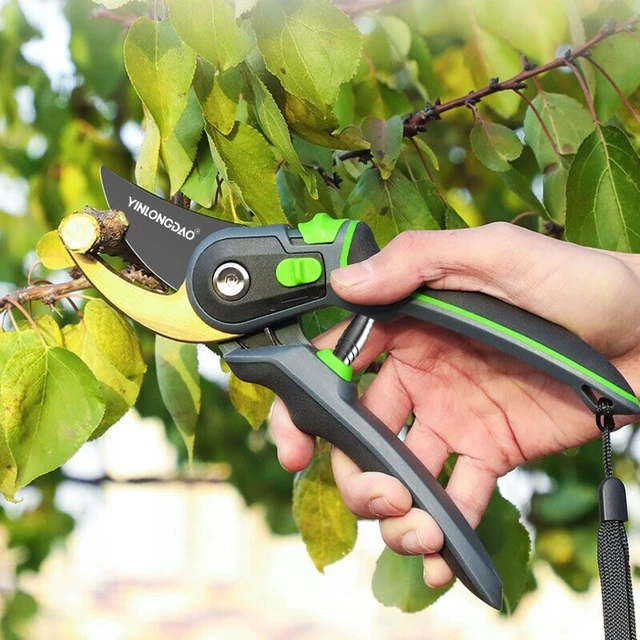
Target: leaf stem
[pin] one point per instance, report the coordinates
(543, 124)
(615, 87)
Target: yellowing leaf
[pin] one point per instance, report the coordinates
(161, 68)
(251, 400)
(310, 45)
(328, 529)
(108, 345)
(179, 382)
(209, 27)
(52, 253)
(218, 95)
(13, 341)
(495, 145)
(49, 331)
(603, 193)
(178, 151)
(275, 128)
(245, 158)
(51, 405)
(147, 162)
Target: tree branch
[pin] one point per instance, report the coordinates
(416, 123)
(112, 225)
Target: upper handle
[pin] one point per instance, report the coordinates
(323, 404)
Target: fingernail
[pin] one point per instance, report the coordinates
(425, 577)
(381, 507)
(412, 543)
(353, 275)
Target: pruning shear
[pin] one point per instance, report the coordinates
(244, 289)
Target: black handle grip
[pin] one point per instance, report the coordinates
(324, 405)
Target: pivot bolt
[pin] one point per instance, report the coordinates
(231, 281)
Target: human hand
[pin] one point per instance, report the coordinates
(468, 398)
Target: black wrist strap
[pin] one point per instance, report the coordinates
(613, 548)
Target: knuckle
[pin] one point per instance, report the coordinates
(409, 242)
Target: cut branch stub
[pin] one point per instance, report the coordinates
(79, 232)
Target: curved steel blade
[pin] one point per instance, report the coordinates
(161, 234)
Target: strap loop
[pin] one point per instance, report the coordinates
(613, 548)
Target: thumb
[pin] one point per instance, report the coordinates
(483, 258)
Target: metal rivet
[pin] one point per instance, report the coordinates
(231, 281)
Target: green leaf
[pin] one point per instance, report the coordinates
(52, 253)
(388, 206)
(424, 74)
(245, 158)
(495, 145)
(209, 27)
(317, 322)
(535, 28)
(51, 405)
(328, 529)
(297, 204)
(507, 541)
(568, 503)
(50, 331)
(319, 126)
(12, 342)
(275, 128)
(161, 68)
(554, 182)
(614, 55)
(107, 343)
(201, 185)
(568, 122)
(178, 151)
(310, 45)
(385, 137)
(428, 152)
(179, 382)
(398, 582)
(251, 400)
(147, 162)
(489, 56)
(521, 186)
(453, 220)
(219, 95)
(603, 193)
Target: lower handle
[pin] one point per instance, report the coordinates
(324, 405)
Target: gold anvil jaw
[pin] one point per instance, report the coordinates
(170, 315)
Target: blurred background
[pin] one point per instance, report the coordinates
(126, 543)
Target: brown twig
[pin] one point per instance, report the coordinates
(416, 123)
(52, 293)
